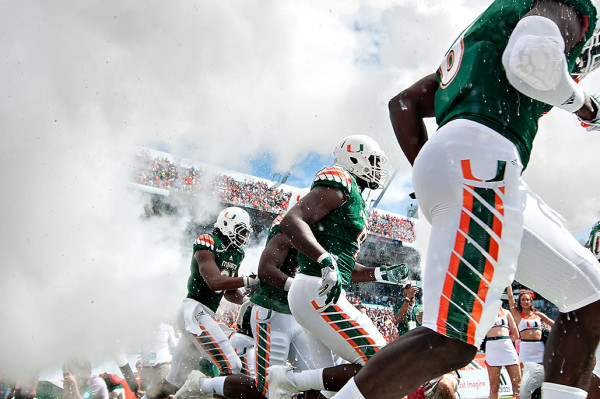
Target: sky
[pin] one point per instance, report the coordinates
(240, 84)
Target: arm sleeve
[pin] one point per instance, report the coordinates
(536, 64)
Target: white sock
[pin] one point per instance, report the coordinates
(213, 385)
(309, 379)
(350, 391)
(557, 391)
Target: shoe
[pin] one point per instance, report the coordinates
(280, 380)
(191, 387)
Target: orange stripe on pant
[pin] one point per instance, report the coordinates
(342, 333)
(210, 351)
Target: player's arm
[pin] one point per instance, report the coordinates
(234, 296)
(271, 260)
(394, 274)
(310, 209)
(207, 266)
(512, 326)
(407, 110)
(362, 273)
(535, 62)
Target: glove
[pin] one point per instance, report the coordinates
(251, 280)
(395, 274)
(594, 124)
(332, 282)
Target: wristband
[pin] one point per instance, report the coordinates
(323, 256)
(288, 284)
(377, 273)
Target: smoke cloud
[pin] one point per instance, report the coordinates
(86, 84)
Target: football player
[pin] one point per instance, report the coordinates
(279, 338)
(213, 275)
(327, 227)
(515, 62)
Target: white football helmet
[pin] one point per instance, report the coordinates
(361, 156)
(234, 223)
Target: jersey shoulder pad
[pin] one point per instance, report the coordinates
(276, 222)
(334, 174)
(274, 229)
(205, 241)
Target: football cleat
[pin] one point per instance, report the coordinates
(280, 380)
(191, 387)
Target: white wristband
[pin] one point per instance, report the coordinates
(377, 273)
(288, 284)
(323, 256)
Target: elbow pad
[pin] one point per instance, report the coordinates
(536, 65)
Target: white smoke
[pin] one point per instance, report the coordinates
(86, 83)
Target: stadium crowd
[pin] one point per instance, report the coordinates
(161, 172)
(387, 225)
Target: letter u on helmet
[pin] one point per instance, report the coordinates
(234, 223)
(361, 156)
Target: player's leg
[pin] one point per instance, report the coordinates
(185, 357)
(243, 345)
(272, 333)
(341, 327)
(334, 328)
(594, 389)
(211, 341)
(533, 376)
(561, 270)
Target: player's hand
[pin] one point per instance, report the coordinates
(591, 123)
(395, 274)
(331, 285)
(251, 280)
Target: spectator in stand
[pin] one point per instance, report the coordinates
(391, 226)
(157, 350)
(500, 352)
(80, 383)
(406, 312)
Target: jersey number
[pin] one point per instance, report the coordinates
(226, 273)
(451, 63)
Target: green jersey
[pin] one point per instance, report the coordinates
(228, 261)
(342, 230)
(411, 316)
(270, 297)
(593, 242)
(473, 83)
